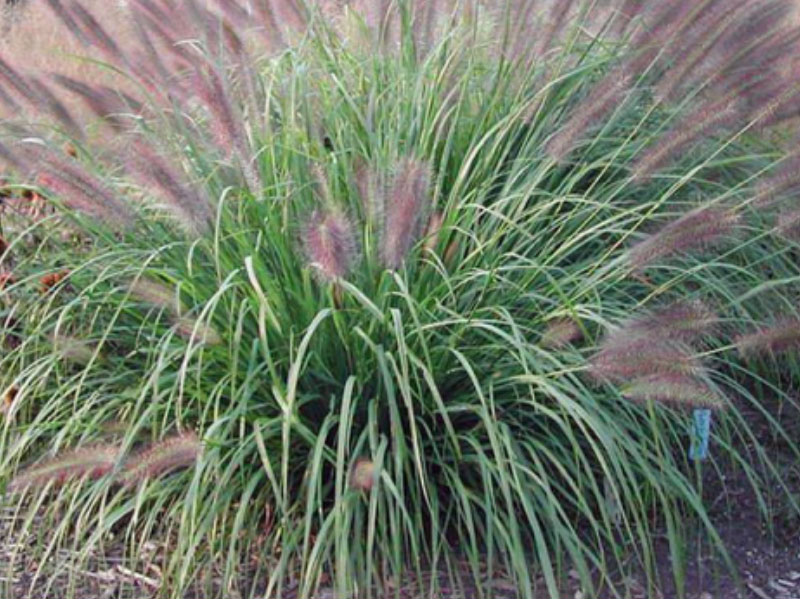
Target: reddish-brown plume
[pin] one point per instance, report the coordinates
(329, 243)
(560, 332)
(174, 453)
(674, 389)
(781, 337)
(404, 207)
(699, 229)
(91, 462)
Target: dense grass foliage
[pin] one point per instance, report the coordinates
(350, 295)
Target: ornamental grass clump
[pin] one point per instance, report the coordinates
(426, 290)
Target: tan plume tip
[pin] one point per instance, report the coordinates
(9, 397)
(362, 475)
(197, 331)
(559, 333)
(154, 292)
(329, 244)
(73, 349)
(674, 389)
(781, 337)
(433, 230)
(92, 462)
(166, 456)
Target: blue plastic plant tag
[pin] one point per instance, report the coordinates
(701, 431)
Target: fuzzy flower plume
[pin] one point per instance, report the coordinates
(685, 321)
(624, 356)
(73, 349)
(75, 186)
(190, 207)
(405, 206)
(153, 292)
(362, 475)
(559, 333)
(674, 389)
(699, 229)
(781, 337)
(160, 295)
(788, 224)
(329, 244)
(651, 357)
(706, 119)
(171, 454)
(196, 331)
(785, 180)
(91, 462)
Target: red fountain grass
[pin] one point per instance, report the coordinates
(329, 244)
(700, 229)
(164, 457)
(90, 462)
(675, 389)
(404, 208)
(778, 338)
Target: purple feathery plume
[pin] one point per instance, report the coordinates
(49, 103)
(79, 190)
(66, 18)
(786, 178)
(329, 244)
(698, 229)
(96, 34)
(105, 102)
(708, 118)
(604, 97)
(781, 337)
(226, 124)
(789, 224)
(405, 207)
(17, 82)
